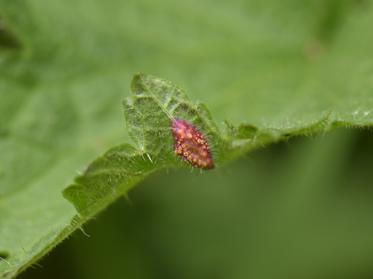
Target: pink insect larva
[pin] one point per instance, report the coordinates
(191, 145)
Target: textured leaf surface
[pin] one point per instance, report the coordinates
(149, 114)
(271, 69)
(302, 208)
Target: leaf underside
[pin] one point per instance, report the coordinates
(268, 71)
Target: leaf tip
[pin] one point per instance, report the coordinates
(137, 84)
(77, 196)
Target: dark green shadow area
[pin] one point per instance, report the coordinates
(299, 209)
(7, 39)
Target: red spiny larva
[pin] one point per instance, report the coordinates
(191, 145)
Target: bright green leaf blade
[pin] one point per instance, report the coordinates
(283, 68)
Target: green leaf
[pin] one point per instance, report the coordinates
(301, 208)
(271, 70)
(149, 113)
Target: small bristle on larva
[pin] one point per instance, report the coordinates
(191, 145)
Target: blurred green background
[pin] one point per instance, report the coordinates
(299, 209)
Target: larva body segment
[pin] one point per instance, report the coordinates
(191, 145)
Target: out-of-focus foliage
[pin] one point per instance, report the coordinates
(282, 67)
